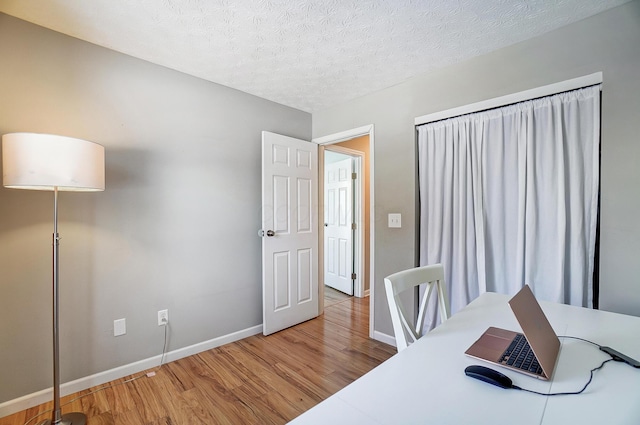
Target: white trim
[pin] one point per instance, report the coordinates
(30, 400)
(344, 135)
(551, 89)
(341, 137)
(387, 339)
(343, 150)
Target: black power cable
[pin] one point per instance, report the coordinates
(590, 374)
(515, 387)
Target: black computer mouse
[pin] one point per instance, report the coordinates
(488, 375)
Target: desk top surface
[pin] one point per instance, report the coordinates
(426, 382)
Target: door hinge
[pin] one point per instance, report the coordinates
(354, 176)
(353, 276)
(353, 226)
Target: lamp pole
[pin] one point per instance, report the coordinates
(74, 418)
(57, 416)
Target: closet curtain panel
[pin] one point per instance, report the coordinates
(509, 197)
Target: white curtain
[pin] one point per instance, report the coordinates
(509, 197)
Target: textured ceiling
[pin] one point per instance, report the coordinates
(307, 54)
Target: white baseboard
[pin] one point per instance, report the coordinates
(30, 400)
(387, 339)
(367, 292)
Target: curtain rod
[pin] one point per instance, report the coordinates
(505, 105)
(509, 99)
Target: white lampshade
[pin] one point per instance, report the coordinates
(45, 161)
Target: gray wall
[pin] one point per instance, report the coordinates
(609, 42)
(176, 227)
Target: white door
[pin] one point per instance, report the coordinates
(338, 231)
(290, 226)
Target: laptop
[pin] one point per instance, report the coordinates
(504, 348)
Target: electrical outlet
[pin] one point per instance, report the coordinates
(163, 317)
(119, 327)
(395, 220)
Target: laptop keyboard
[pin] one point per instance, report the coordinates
(520, 356)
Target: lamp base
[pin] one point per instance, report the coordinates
(74, 418)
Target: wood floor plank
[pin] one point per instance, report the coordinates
(35, 414)
(182, 377)
(270, 351)
(218, 368)
(301, 381)
(147, 399)
(333, 296)
(93, 404)
(258, 380)
(73, 402)
(260, 411)
(222, 405)
(130, 417)
(119, 396)
(105, 418)
(199, 408)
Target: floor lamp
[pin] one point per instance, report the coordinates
(54, 163)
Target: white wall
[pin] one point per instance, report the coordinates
(176, 227)
(609, 42)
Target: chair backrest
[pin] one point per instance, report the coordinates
(406, 332)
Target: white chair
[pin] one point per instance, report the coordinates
(403, 328)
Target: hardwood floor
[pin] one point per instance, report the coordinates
(333, 296)
(258, 380)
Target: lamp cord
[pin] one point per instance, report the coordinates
(135, 378)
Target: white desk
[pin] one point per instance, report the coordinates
(426, 382)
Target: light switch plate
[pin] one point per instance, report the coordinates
(119, 327)
(395, 220)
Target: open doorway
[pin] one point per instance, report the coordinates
(367, 147)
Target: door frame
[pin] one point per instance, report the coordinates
(367, 130)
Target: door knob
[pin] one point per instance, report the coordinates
(271, 233)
